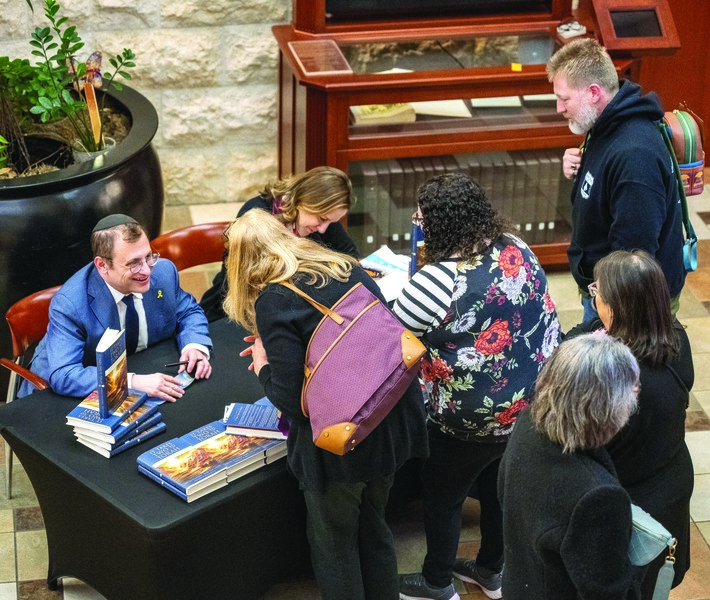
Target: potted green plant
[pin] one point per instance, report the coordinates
(46, 219)
(58, 71)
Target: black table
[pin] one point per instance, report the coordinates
(129, 538)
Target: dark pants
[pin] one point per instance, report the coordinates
(447, 475)
(352, 547)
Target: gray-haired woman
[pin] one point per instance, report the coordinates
(566, 518)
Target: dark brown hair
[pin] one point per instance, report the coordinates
(458, 219)
(102, 241)
(634, 287)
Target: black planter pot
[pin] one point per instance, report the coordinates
(46, 220)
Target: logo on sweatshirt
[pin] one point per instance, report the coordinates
(587, 185)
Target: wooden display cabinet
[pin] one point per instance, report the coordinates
(492, 65)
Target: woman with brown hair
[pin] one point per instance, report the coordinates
(310, 205)
(650, 454)
(352, 548)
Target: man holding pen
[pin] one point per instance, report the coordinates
(126, 287)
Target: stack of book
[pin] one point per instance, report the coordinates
(113, 417)
(207, 459)
(135, 421)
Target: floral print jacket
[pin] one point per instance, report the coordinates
(489, 325)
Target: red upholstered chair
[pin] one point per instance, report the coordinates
(192, 245)
(28, 319)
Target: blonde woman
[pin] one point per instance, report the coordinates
(352, 548)
(310, 205)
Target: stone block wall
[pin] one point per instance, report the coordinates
(208, 66)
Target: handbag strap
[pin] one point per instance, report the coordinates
(328, 312)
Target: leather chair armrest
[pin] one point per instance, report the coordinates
(34, 379)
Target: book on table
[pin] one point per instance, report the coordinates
(111, 370)
(193, 495)
(100, 439)
(134, 422)
(135, 439)
(253, 420)
(86, 413)
(202, 457)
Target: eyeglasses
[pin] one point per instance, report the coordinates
(417, 220)
(136, 265)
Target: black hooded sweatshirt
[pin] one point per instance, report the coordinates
(625, 195)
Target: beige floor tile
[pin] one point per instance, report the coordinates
(563, 290)
(699, 334)
(7, 557)
(703, 400)
(700, 502)
(699, 446)
(704, 528)
(695, 401)
(208, 213)
(701, 362)
(408, 531)
(32, 557)
(690, 306)
(197, 280)
(8, 591)
(6, 521)
(23, 494)
(175, 217)
(78, 590)
(696, 585)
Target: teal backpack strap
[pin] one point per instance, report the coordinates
(690, 251)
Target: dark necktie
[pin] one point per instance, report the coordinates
(131, 324)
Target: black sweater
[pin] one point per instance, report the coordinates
(286, 323)
(566, 522)
(650, 454)
(335, 237)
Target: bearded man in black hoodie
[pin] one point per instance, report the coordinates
(625, 194)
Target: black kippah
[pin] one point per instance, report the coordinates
(113, 221)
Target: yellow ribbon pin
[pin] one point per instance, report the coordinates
(160, 293)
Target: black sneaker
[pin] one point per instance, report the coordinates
(489, 581)
(413, 586)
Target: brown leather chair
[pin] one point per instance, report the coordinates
(28, 319)
(193, 245)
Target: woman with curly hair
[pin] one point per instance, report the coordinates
(481, 306)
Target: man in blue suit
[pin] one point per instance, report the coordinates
(126, 286)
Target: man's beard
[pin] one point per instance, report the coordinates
(585, 121)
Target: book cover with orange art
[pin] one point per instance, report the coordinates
(203, 456)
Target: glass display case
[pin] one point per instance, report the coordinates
(392, 101)
(525, 186)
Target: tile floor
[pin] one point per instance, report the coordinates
(23, 546)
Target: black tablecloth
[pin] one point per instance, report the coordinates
(129, 538)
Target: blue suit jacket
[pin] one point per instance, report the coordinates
(84, 308)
